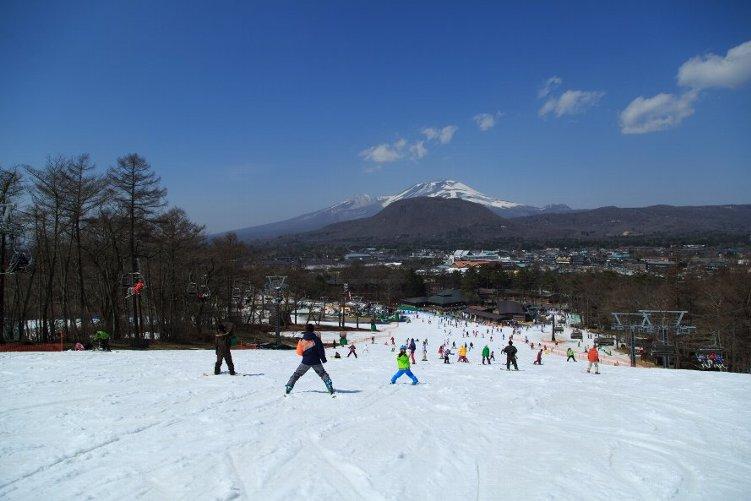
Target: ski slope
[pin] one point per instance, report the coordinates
(148, 425)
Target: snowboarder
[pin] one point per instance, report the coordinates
(222, 347)
(402, 363)
(594, 359)
(538, 360)
(570, 355)
(510, 352)
(313, 353)
(104, 340)
(352, 350)
(486, 354)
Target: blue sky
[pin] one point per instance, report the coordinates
(253, 112)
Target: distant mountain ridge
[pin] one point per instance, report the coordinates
(363, 206)
(428, 220)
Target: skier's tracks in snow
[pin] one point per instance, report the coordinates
(356, 478)
(72, 457)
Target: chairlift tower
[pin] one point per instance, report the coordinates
(661, 325)
(275, 286)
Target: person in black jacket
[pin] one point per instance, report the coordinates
(313, 355)
(510, 352)
(222, 347)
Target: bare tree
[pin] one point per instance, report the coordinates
(137, 192)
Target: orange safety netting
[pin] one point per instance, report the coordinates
(31, 347)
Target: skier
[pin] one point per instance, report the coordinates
(570, 355)
(594, 359)
(491, 357)
(313, 356)
(486, 354)
(463, 354)
(352, 350)
(538, 360)
(412, 349)
(510, 352)
(222, 348)
(446, 354)
(402, 362)
(104, 340)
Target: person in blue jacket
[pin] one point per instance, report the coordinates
(313, 356)
(402, 363)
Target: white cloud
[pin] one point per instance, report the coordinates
(711, 70)
(550, 84)
(571, 102)
(443, 135)
(418, 150)
(660, 112)
(385, 152)
(486, 121)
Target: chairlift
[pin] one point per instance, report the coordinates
(19, 262)
(203, 293)
(130, 279)
(136, 289)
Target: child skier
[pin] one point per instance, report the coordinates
(538, 360)
(594, 359)
(352, 350)
(486, 354)
(313, 356)
(446, 354)
(570, 355)
(104, 340)
(402, 362)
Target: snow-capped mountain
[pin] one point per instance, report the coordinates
(361, 206)
(448, 188)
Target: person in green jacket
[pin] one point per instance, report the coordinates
(104, 340)
(570, 355)
(486, 354)
(402, 362)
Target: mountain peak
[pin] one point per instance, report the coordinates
(449, 188)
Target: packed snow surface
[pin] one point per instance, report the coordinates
(149, 425)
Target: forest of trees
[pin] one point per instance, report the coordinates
(91, 236)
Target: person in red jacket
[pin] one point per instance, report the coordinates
(594, 359)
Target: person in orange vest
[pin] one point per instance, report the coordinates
(594, 359)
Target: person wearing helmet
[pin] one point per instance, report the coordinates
(402, 363)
